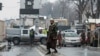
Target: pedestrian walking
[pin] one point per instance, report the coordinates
(92, 38)
(31, 36)
(44, 31)
(88, 38)
(95, 42)
(9, 44)
(59, 38)
(52, 37)
(83, 38)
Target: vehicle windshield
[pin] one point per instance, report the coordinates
(71, 35)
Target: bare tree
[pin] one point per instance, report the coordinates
(81, 5)
(46, 9)
(98, 9)
(61, 8)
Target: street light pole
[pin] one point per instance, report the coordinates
(45, 21)
(98, 37)
(92, 8)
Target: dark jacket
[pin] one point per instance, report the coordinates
(32, 33)
(52, 36)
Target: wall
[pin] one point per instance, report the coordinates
(2, 30)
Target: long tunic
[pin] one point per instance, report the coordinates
(52, 36)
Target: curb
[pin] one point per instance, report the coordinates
(93, 48)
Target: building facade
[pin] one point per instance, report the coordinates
(2, 30)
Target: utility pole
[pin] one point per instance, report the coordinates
(62, 2)
(92, 8)
(0, 6)
(98, 9)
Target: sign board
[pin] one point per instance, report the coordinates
(35, 4)
(29, 16)
(29, 11)
(29, 8)
(0, 6)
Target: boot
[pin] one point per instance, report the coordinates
(49, 52)
(55, 51)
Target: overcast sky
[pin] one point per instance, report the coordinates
(11, 9)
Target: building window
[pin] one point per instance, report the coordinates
(25, 31)
(29, 4)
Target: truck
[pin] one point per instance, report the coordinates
(17, 35)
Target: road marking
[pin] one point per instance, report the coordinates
(40, 52)
(85, 52)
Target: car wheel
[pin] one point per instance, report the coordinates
(43, 41)
(16, 41)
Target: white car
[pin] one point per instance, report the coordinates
(70, 30)
(71, 38)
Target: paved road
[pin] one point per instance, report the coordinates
(22, 50)
(26, 50)
(77, 51)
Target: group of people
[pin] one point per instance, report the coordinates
(90, 39)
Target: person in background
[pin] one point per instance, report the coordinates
(45, 31)
(59, 38)
(95, 39)
(32, 36)
(40, 31)
(92, 38)
(9, 44)
(83, 38)
(88, 38)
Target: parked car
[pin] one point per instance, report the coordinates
(71, 38)
(17, 35)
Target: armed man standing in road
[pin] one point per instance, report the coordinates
(52, 37)
(31, 36)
